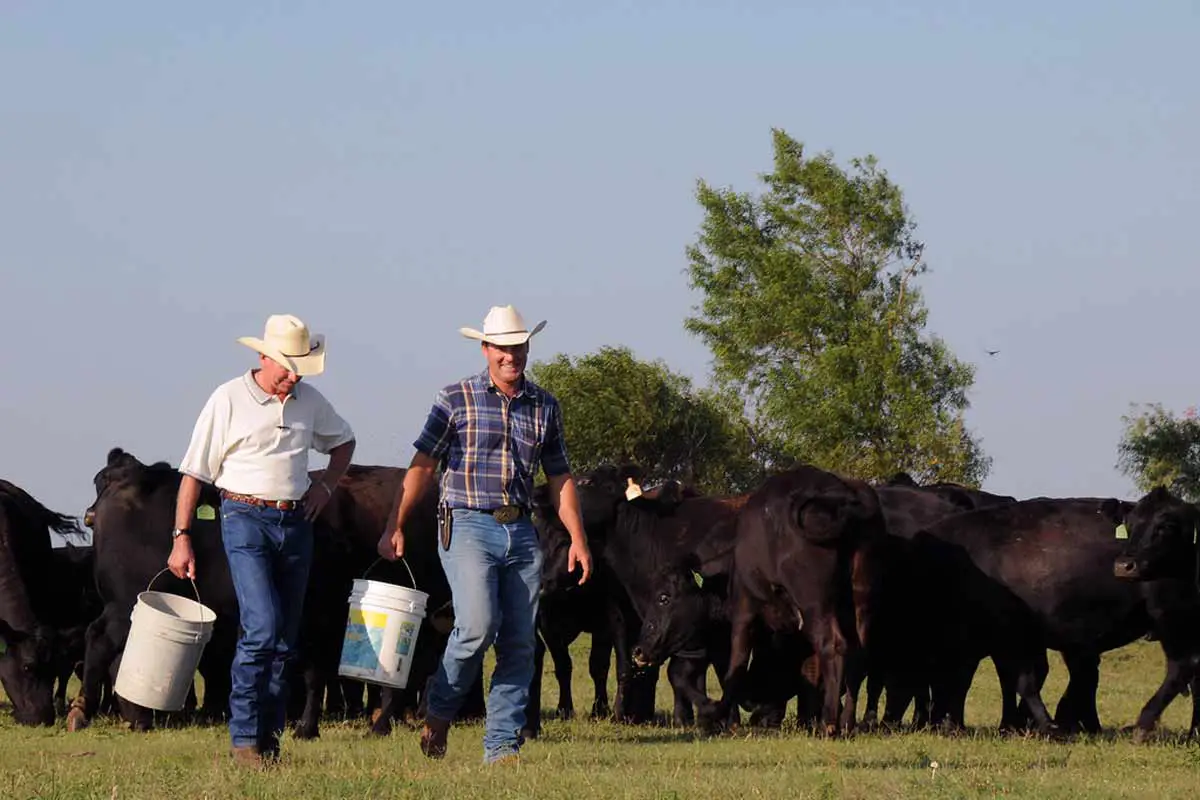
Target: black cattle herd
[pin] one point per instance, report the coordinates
(814, 588)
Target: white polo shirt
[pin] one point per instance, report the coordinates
(249, 442)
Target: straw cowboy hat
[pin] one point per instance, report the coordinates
(287, 341)
(503, 326)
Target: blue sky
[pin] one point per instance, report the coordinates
(170, 174)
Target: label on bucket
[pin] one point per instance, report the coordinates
(408, 632)
(364, 639)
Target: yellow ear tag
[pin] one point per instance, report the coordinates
(1122, 531)
(699, 579)
(632, 491)
(3, 647)
(206, 512)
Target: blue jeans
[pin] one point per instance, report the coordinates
(494, 573)
(269, 554)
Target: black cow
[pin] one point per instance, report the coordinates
(633, 543)
(1162, 558)
(31, 611)
(131, 520)
(807, 548)
(348, 531)
(74, 568)
(1012, 581)
(565, 610)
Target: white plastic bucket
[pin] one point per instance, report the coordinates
(162, 652)
(381, 632)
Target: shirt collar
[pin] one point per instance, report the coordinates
(485, 380)
(256, 391)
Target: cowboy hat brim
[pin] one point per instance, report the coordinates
(503, 339)
(313, 363)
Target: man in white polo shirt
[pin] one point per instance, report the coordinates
(252, 441)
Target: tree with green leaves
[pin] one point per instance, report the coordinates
(1158, 448)
(811, 308)
(618, 409)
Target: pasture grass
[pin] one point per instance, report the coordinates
(583, 759)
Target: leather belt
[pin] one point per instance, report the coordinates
(249, 499)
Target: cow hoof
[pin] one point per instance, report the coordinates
(566, 712)
(832, 731)
(307, 732)
(601, 711)
(77, 720)
(528, 734)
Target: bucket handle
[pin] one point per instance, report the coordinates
(194, 589)
(402, 561)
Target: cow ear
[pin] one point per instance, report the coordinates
(114, 455)
(1112, 510)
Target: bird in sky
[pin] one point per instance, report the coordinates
(991, 352)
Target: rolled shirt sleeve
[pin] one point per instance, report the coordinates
(554, 451)
(438, 433)
(206, 451)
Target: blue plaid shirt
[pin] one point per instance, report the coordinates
(490, 446)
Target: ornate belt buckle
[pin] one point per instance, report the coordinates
(507, 514)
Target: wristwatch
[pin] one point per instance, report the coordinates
(175, 534)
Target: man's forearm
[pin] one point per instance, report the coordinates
(185, 502)
(417, 481)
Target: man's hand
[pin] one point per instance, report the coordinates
(182, 561)
(391, 544)
(315, 499)
(579, 554)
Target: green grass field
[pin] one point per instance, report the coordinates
(582, 759)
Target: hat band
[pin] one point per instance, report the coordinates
(503, 333)
(311, 350)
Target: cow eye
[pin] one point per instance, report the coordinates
(664, 598)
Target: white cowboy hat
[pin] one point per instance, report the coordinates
(287, 342)
(504, 326)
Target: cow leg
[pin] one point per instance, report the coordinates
(951, 682)
(1179, 673)
(1076, 710)
(308, 724)
(97, 661)
(1194, 730)
(563, 668)
(741, 640)
(1031, 674)
(352, 696)
(381, 717)
(830, 645)
(686, 676)
(599, 660)
(533, 708)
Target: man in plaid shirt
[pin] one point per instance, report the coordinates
(489, 434)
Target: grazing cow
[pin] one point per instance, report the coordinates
(31, 609)
(1012, 581)
(1162, 558)
(807, 549)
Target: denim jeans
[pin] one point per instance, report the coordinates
(494, 573)
(269, 554)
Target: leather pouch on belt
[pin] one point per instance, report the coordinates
(445, 525)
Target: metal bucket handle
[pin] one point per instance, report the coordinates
(402, 561)
(190, 580)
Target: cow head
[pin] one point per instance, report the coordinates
(1161, 533)
(680, 609)
(27, 672)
